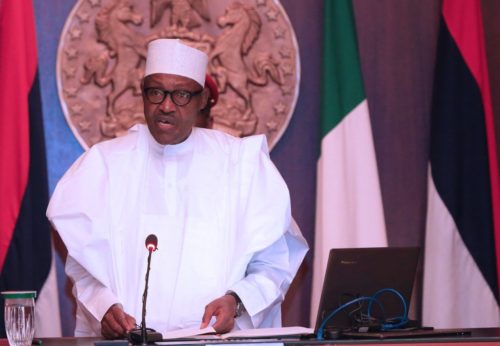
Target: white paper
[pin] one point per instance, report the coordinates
(267, 332)
(188, 332)
(209, 333)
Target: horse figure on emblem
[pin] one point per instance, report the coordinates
(124, 45)
(242, 26)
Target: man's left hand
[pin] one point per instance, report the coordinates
(223, 309)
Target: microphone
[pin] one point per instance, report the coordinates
(151, 243)
(146, 334)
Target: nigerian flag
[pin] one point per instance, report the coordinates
(349, 205)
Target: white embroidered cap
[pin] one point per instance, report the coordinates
(174, 57)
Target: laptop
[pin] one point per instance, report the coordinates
(362, 272)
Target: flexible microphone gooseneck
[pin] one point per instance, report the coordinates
(143, 335)
(151, 245)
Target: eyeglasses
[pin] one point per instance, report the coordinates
(179, 97)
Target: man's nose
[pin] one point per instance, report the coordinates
(167, 105)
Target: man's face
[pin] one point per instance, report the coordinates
(168, 122)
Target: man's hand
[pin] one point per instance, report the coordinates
(116, 323)
(223, 309)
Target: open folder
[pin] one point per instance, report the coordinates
(210, 334)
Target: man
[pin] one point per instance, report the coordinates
(228, 250)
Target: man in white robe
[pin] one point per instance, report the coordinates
(227, 246)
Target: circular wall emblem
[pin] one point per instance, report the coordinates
(253, 57)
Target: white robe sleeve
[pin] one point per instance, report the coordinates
(79, 212)
(272, 268)
(93, 298)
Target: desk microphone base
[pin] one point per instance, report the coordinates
(152, 336)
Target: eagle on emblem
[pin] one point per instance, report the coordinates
(181, 12)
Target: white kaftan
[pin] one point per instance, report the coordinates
(220, 210)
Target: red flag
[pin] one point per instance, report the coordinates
(25, 247)
(461, 259)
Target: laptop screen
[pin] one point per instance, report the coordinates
(362, 272)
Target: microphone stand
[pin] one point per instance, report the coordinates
(143, 335)
(144, 299)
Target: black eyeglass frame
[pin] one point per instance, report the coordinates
(172, 95)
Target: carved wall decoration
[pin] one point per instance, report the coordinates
(251, 45)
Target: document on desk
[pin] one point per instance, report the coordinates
(210, 334)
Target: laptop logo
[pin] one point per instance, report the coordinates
(348, 262)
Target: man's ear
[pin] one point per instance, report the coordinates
(204, 98)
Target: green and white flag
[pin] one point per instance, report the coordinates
(349, 211)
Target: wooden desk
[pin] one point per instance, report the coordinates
(482, 337)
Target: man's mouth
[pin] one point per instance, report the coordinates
(165, 121)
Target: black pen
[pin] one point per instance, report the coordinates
(37, 342)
